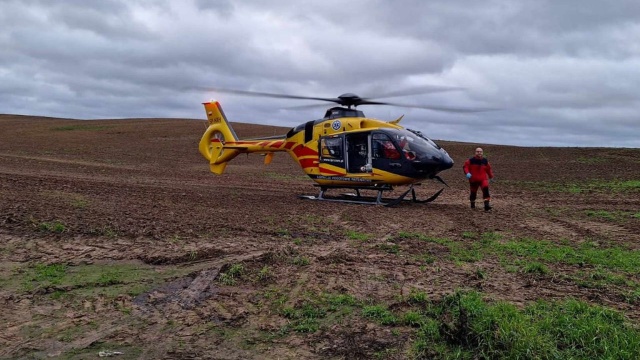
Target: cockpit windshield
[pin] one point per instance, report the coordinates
(422, 136)
(412, 142)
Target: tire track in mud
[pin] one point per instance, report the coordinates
(70, 162)
(139, 179)
(582, 230)
(188, 292)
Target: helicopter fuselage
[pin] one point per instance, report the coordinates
(344, 148)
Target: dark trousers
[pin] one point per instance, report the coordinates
(474, 185)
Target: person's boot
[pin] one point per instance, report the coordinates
(487, 206)
(473, 205)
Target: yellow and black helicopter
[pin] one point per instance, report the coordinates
(343, 150)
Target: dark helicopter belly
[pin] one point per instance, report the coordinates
(405, 168)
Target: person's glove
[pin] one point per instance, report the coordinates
(468, 175)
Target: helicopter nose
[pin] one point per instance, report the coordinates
(447, 162)
(434, 163)
(442, 162)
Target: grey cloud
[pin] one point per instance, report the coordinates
(563, 73)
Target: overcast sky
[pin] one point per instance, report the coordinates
(563, 73)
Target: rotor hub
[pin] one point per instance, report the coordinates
(349, 99)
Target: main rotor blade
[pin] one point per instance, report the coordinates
(426, 89)
(429, 107)
(271, 95)
(306, 107)
(354, 100)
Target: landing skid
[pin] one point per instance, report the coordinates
(358, 198)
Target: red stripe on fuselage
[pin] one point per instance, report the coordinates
(306, 163)
(265, 143)
(302, 150)
(331, 172)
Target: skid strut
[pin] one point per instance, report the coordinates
(358, 198)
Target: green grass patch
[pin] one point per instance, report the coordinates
(600, 278)
(535, 268)
(341, 299)
(57, 227)
(596, 266)
(265, 274)
(48, 274)
(390, 248)
(354, 235)
(417, 297)
(601, 214)
(300, 261)
(611, 215)
(586, 253)
(380, 313)
(614, 258)
(314, 312)
(469, 235)
(231, 274)
(459, 251)
(85, 280)
(305, 319)
(464, 326)
(586, 186)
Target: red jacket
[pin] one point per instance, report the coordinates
(480, 169)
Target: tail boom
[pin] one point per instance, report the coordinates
(220, 144)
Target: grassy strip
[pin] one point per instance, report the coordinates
(613, 268)
(84, 280)
(612, 215)
(580, 187)
(465, 326)
(586, 253)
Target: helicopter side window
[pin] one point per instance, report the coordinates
(383, 147)
(331, 147)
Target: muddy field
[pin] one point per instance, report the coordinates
(115, 237)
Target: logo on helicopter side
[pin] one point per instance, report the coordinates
(336, 125)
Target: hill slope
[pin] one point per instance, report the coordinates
(117, 228)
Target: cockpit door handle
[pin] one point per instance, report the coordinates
(395, 165)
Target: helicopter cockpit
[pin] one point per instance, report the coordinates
(422, 152)
(399, 151)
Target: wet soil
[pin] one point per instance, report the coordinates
(136, 193)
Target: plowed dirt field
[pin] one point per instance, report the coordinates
(114, 236)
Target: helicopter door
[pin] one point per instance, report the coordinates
(331, 153)
(385, 154)
(358, 156)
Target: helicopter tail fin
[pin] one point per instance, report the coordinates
(217, 134)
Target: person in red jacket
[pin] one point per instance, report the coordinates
(478, 170)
